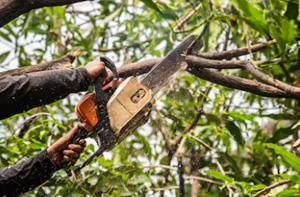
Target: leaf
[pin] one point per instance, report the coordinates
(152, 5)
(235, 132)
(113, 15)
(288, 157)
(5, 36)
(257, 187)
(140, 179)
(36, 146)
(293, 178)
(3, 56)
(280, 134)
(289, 193)
(220, 176)
(252, 15)
(281, 116)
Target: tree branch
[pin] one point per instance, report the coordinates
(236, 52)
(267, 189)
(240, 83)
(61, 63)
(269, 80)
(134, 45)
(11, 9)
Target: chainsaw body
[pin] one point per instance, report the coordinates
(128, 108)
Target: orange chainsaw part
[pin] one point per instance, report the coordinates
(86, 111)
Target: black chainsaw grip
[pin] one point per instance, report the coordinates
(80, 134)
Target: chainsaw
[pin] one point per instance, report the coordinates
(116, 110)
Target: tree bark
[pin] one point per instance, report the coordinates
(61, 63)
(11, 9)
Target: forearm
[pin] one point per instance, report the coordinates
(21, 93)
(25, 176)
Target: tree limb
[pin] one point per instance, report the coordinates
(269, 80)
(236, 52)
(11, 9)
(241, 83)
(61, 63)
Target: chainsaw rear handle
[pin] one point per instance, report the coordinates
(101, 110)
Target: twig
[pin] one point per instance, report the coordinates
(134, 45)
(209, 181)
(267, 189)
(201, 142)
(180, 175)
(205, 180)
(247, 39)
(160, 166)
(187, 17)
(163, 188)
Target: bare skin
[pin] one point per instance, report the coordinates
(63, 150)
(96, 68)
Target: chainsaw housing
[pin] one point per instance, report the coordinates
(129, 107)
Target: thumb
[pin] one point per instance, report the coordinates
(72, 132)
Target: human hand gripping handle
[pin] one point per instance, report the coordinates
(64, 151)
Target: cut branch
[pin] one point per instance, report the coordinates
(200, 62)
(61, 63)
(11, 9)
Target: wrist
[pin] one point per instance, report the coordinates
(53, 156)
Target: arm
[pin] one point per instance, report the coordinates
(25, 176)
(21, 93)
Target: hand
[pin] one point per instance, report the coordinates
(63, 150)
(96, 68)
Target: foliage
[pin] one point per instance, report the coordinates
(250, 136)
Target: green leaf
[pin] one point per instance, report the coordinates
(288, 157)
(293, 178)
(220, 176)
(152, 5)
(252, 15)
(257, 187)
(235, 132)
(280, 134)
(3, 56)
(113, 15)
(289, 193)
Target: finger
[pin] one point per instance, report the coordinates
(71, 154)
(82, 142)
(69, 160)
(76, 147)
(72, 132)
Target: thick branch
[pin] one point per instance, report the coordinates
(236, 52)
(240, 83)
(200, 62)
(11, 9)
(269, 80)
(61, 63)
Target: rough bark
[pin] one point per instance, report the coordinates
(198, 66)
(61, 63)
(11, 9)
(236, 52)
